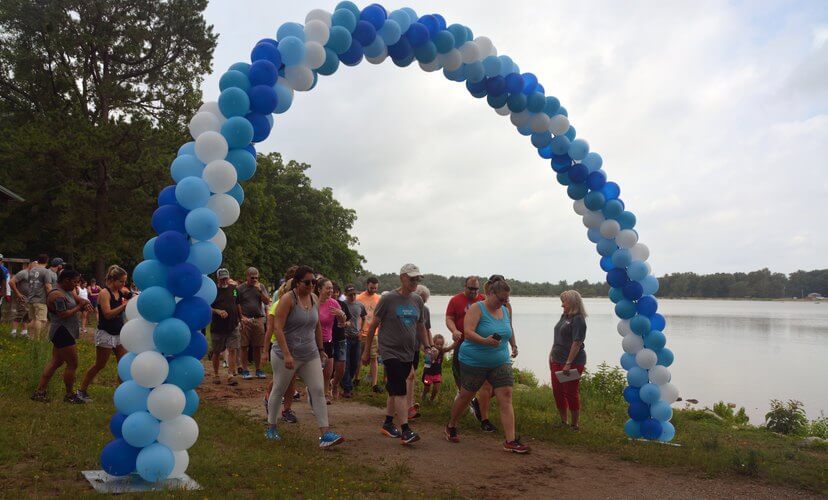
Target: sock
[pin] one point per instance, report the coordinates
(14, 331)
(389, 419)
(405, 427)
(24, 332)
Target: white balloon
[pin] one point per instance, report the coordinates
(646, 358)
(486, 46)
(579, 207)
(213, 107)
(610, 229)
(299, 77)
(539, 123)
(220, 240)
(503, 110)
(558, 124)
(179, 433)
(626, 238)
(136, 335)
(624, 328)
(659, 375)
(220, 176)
(149, 369)
(378, 59)
(639, 251)
(432, 66)
(669, 393)
(593, 219)
(521, 118)
(182, 461)
(203, 121)
(319, 15)
(632, 343)
(470, 52)
(131, 310)
(211, 146)
(314, 54)
(166, 402)
(317, 31)
(451, 60)
(226, 207)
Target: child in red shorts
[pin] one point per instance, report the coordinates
(433, 368)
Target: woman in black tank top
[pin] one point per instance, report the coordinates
(112, 302)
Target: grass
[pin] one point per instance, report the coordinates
(709, 446)
(44, 447)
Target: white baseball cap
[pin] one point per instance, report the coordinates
(411, 270)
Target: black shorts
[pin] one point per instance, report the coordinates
(416, 363)
(329, 349)
(63, 338)
(396, 374)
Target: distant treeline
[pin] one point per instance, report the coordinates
(762, 284)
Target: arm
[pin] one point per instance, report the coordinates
(578, 335)
(282, 311)
(265, 297)
(319, 342)
(58, 305)
(108, 312)
(17, 293)
(469, 325)
(512, 340)
(369, 338)
(425, 337)
(456, 334)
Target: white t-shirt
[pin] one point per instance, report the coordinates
(83, 293)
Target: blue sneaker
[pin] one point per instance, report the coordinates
(246, 375)
(260, 374)
(330, 439)
(272, 434)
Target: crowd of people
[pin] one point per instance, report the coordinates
(312, 328)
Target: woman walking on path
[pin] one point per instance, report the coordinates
(298, 349)
(83, 292)
(94, 293)
(111, 305)
(340, 347)
(568, 354)
(64, 330)
(484, 357)
(329, 312)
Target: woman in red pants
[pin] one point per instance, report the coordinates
(568, 354)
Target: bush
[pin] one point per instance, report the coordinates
(524, 377)
(747, 465)
(819, 427)
(786, 418)
(607, 383)
(724, 410)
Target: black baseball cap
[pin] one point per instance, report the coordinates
(57, 261)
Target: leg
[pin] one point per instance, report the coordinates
(288, 395)
(327, 373)
(435, 389)
(232, 357)
(484, 397)
(257, 357)
(70, 357)
(49, 370)
(339, 372)
(281, 379)
(311, 373)
(558, 391)
(216, 359)
(572, 391)
(461, 404)
(101, 358)
(507, 413)
(374, 363)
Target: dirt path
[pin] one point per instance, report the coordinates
(483, 470)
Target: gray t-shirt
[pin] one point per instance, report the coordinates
(52, 278)
(568, 330)
(38, 278)
(358, 314)
(250, 300)
(300, 331)
(399, 318)
(22, 280)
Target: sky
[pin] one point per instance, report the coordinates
(712, 116)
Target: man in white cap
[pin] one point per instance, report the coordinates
(400, 319)
(224, 327)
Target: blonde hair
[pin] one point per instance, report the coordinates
(114, 272)
(575, 302)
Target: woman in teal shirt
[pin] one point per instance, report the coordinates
(484, 357)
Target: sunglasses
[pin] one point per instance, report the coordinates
(254, 278)
(415, 279)
(308, 282)
(473, 288)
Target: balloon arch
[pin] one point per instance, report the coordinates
(153, 426)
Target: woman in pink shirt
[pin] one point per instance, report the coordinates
(329, 311)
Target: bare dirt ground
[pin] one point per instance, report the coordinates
(481, 468)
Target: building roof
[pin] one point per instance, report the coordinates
(10, 194)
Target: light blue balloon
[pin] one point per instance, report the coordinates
(150, 273)
(285, 98)
(125, 366)
(149, 249)
(661, 411)
(668, 432)
(208, 290)
(331, 63)
(292, 50)
(593, 161)
(206, 256)
(155, 463)
(665, 357)
(606, 247)
(348, 6)
(650, 393)
(621, 258)
(649, 284)
(244, 162)
(290, 29)
(238, 193)
(560, 144)
(628, 361)
(594, 234)
(616, 295)
(640, 325)
(186, 166)
(506, 65)
(191, 405)
(637, 270)
(171, 336)
(140, 429)
(345, 19)
(578, 149)
(632, 429)
(238, 131)
(625, 309)
(375, 49)
(391, 32)
(655, 340)
(339, 40)
(186, 372)
(234, 102)
(241, 66)
(201, 223)
(131, 397)
(192, 192)
(188, 148)
(156, 304)
(637, 377)
(492, 66)
(401, 18)
(234, 78)
(412, 14)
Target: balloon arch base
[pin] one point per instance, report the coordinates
(133, 483)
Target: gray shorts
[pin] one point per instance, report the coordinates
(472, 378)
(104, 339)
(219, 341)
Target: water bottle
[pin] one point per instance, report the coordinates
(427, 361)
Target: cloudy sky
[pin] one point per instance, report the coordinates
(712, 117)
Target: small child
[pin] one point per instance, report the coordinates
(433, 368)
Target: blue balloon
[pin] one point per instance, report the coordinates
(650, 393)
(171, 247)
(149, 249)
(262, 72)
(287, 30)
(637, 270)
(192, 192)
(339, 40)
(156, 304)
(628, 361)
(329, 67)
(578, 173)
(498, 101)
(185, 166)
(606, 263)
(188, 148)
(661, 411)
(150, 273)
(374, 49)
(186, 372)
(612, 208)
(640, 325)
(365, 33)
(651, 429)
(552, 106)
(237, 130)
(593, 161)
(171, 336)
(632, 429)
(351, 6)
(615, 294)
(183, 280)
(285, 96)
(649, 284)
(545, 152)
(594, 234)
(665, 357)
(535, 102)
(234, 79)
(208, 290)
(596, 180)
(205, 255)
(118, 458)
(234, 101)
(167, 196)
(631, 394)
(594, 200)
(430, 22)
(561, 163)
(563, 179)
(516, 103)
(292, 50)
(633, 290)
(657, 322)
(155, 463)
(401, 50)
(131, 397)
(647, 305)
(605, 247)
(202, 223)
(617, 277)
(417, 34)
(562, 111)
(443, 40)
(125, 365)
(427, 53)
(440, 20)
(344, 18)
(625, 309)
(193, 311)
(197, 347)
(577, 192)
(240, 66)
(668, 432)
(169, 218)
(621, 258)
(265, 51)
(560, 145)
(530, 82)
(261, 126)
(638, 411)
(237, 192)
(611, 191)
(627, 220)
(578, 149)
(542, 139)
(492, 66)
(461, 36)
(353, 55)
(141, 429)
(116, 422)
(191, 405)
(496, 86)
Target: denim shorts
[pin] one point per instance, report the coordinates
(472, 378)
(340, 350)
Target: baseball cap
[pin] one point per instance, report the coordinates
(57, 261)
(222, 273)
(411, 270)
(350, 288)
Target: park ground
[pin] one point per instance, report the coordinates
(44, 447)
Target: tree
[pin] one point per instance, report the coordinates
(93, 95)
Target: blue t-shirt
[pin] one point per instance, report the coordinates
(484, 356)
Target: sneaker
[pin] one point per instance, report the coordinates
(474, 408)
(377, 389)
(272, 434)
(413, 413)
(330, 439)
(231, 380)
(487, 426)
(224, 363)
(515, 446)
(260, 374)
(84, 396)
(390, 430)
(289, 417)
(451, 434)
(409, 436)
(297, 396)
(246, 375)
(40, 397)
(73, 398)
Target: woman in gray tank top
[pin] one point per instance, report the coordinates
(298, 349)
(64, 330)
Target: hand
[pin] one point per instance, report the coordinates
(23, 299)
(566, 369)
(323, 357)
(222, 314)
(457, 336)
(514, 351)
(365, 358)
(83, 302)
(289, 363)
(492, 341)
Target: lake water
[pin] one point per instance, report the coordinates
(744, 352)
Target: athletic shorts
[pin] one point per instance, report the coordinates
(62, 338)
(396, 374)
(472, 378)
(220, 341)
(374, 350)
(328, 347)
(37, 312)
(253, 333)
(436, 378)
(20, 312)
(104, 339)
(340, 350)
(416, 362)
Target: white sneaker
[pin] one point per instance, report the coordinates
(13, 333)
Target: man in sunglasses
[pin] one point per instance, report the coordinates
(251, 299)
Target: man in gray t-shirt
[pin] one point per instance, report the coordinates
(19, 284)
(251, 300)
(40, 283)
(400, 317)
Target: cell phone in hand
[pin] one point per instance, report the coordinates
(496, 336)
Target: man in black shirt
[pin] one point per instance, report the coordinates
(224, 331)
